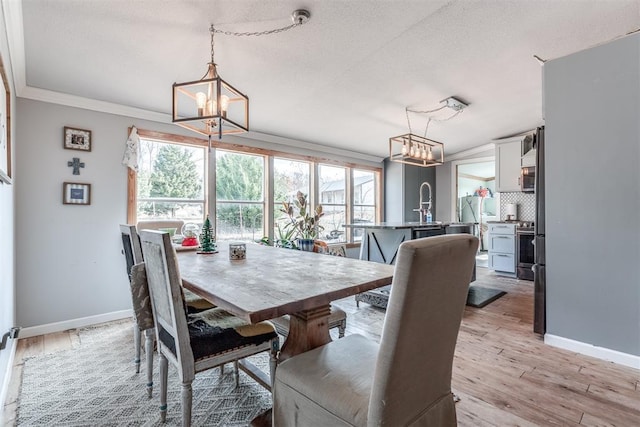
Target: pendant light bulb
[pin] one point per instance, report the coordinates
(201, 101)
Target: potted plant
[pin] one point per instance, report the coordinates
(305, 223)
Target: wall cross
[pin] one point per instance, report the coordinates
(76, 164)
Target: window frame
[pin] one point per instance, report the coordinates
(269, 155)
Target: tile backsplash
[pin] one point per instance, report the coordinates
(526, 205)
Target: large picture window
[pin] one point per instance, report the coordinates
(239, 196)
(171, 181)
(242, 188)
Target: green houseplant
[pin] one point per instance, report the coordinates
(305, 223)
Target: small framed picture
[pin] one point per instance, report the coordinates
(77, 139)
(75, 193)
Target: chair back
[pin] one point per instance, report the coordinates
(130, 246)
(170, 318)
(412, 379)
(157, 224)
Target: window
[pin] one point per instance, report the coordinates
(289, 177)
(333, 192)
(171, 182)
(239, 196)
(250, 184)
(364, 199)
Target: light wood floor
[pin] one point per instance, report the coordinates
(503, 372)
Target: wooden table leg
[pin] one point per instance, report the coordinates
(308, 329)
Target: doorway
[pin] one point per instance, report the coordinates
(476, 200)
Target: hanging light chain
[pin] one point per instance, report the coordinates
(409, 110)
(212, 30)
(300, 17)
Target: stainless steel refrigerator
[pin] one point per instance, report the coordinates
(539, 267)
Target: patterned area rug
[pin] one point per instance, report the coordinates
(95, 384)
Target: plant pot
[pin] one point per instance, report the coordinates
(306, 244)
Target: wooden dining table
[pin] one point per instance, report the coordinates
(271, 282)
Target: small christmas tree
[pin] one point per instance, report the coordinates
(207, 241)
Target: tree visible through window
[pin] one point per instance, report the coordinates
(170, 181)
(239, 195)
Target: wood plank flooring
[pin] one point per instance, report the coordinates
(503, 372)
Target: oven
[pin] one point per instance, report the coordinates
(524, 252)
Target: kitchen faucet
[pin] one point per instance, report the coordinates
(420, 209)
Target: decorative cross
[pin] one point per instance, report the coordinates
(76, 164)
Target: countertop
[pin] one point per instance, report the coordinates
(412, 225)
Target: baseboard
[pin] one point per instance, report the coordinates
(593, 351)
(81, 322)
(7, 378)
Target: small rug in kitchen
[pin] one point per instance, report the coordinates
(95, 384)
(479, 296)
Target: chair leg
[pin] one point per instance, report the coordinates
(236, 372)
(164, 370)
(187, 396)
(342, 327)
(148, 348)
(136, 347)
(273, 359)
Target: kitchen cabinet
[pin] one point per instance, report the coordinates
(508, 155)
(502, 248)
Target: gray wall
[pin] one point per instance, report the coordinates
(592, 102)
(69, 263)
(7, 283)
(402, 183)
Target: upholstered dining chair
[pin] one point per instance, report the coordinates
(406, 379)
(200, 343)
(142, 312)
(143, 317)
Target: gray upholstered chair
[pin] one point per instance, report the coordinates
(406, 379)
(200, 342)
(140, 298)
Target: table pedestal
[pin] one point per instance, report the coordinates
(308, 329)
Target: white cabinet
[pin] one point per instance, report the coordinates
(502, 248)
(508, 156)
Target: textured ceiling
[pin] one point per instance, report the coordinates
(342, 80)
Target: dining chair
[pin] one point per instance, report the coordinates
(143, 317)
(337, 316)
(406, 378)
(200, 343)
(142, 312)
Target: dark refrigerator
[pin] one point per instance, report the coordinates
(539, 266)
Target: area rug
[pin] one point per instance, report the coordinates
(479, 297)
(95, 384)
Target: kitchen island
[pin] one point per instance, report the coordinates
(380, 243)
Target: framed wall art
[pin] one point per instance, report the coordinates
(77, 139)
(76, 193)
(5, 128)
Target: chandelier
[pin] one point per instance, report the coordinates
(211, 106)
(418, 150)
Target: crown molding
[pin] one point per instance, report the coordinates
(12, 10)
(44, 95)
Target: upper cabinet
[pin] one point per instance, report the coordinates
(508, 158)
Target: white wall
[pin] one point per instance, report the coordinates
(7, 284)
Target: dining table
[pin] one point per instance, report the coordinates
(271, 282)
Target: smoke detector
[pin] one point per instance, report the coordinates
(454, 104)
